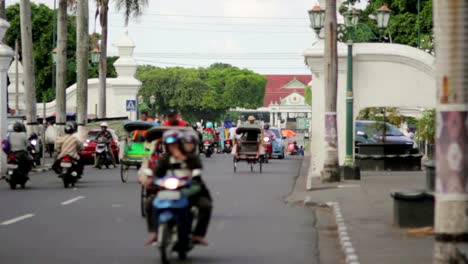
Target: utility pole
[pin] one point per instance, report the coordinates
(330, 171)
(82, 54)
(28, 65)
(17, 77)
(60, 90)
(451, 217)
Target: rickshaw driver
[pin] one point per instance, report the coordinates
(173, 119)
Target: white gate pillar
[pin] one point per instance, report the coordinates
(6, 54)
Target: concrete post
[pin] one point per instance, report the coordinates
(6, 55)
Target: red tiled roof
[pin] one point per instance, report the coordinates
(274, 92)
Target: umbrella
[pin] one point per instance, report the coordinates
(288, 133)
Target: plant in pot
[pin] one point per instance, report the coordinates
(426, 133)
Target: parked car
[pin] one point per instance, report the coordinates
(369, 132)
(89, 146)
(278, 144)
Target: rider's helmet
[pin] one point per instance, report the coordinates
(33, 136)
(191, 137)
(195, 127)
(104, 124)
(172, 136)
(69, 128)
(172, 112)
(19, 127)
(209, 125)
(266, 126)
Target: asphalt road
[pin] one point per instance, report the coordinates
(100, 222)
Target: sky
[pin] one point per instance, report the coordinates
(266, 36)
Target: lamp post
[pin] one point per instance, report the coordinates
(350, 171)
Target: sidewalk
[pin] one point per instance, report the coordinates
(367, 209)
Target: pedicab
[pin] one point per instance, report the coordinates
(247, 147)
(154, 135)
(135, 148)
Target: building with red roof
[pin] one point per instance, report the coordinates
(284, 103)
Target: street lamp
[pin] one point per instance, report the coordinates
(317, 19)
(383, 17)
(95, 55)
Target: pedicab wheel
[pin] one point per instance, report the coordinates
(123, 173)
(234, 161)
(12, 185)
(165, 233)
(260, 164)
(142, 201)
(251, 166)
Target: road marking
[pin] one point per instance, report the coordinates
(17, 219)
(72, 200)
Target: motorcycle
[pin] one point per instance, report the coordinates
(268, 148)
(35, 150)
(15, 174)
(208, 148)
(102, 153)
(175, 218)
(227, 146)
(69, 171)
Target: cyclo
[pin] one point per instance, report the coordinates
(247, 147)
(171, 205)
(135, 147)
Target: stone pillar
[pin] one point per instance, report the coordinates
(12, 88)
(125, 86)
(6, 54)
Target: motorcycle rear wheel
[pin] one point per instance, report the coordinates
(12, 185)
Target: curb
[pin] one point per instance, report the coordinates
(345, 241)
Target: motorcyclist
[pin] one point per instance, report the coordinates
(209, 129)
(68, 145)
(178, 162)
(173, 119)
(19, 147)
(142, 133)
(191, 142)
(106, 134)
(267, 132)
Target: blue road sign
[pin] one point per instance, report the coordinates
(130, 105)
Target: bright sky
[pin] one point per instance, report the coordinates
(267, 36)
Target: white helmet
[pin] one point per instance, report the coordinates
(104, 124)
(199, 124)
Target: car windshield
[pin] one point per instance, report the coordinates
(93, 134)
(276, 131)
(378, 129)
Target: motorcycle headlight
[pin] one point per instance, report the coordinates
(266, 139)
(34, 142)
(171, 183)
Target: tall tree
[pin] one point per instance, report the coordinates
(2, 9)
(451, 218)
(131, 8)
(82, 47)
(61, 73)
(103, 18)
(330, 171)
(28, 64)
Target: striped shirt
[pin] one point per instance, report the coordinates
(68, 145)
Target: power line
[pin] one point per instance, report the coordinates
(220, 31)
(223, 17)
(197, 65)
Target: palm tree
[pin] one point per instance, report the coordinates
(131, 8)
(82, 53)
(61, 73)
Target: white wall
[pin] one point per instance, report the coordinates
(384, 75)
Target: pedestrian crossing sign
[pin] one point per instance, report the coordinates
(131, 105)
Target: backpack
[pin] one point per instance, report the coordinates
(6, 147)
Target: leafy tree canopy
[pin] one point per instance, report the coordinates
(403, 26)
(203, 93)
(42, 18)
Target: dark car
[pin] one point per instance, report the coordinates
(89, 146)
(371, 132)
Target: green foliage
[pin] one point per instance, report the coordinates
(203, 93)
(42, 19)
(383, 115)
(308, 95)
(426, 127)
(403, 26)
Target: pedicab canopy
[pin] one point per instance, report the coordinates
(137, 149)
(155, 133)
(248, 129)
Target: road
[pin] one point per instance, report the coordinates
(100, 222)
